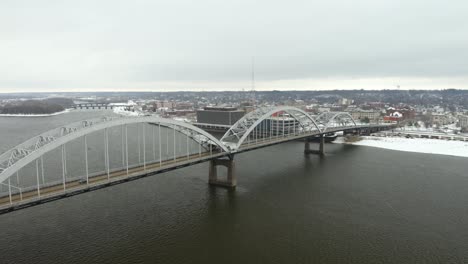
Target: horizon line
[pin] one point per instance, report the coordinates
(214, 91)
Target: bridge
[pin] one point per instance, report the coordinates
(97, 153)
(93, 106)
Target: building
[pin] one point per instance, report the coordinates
(179, 112)
(278, 124)
(323, 109)
(393, 117)
(362, 114)
(439, 119)
(345, 101)
(164, 104)
(219, 115)
(463, 121)
(183, 106)
(405, 112)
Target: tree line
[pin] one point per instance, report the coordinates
(46, 106)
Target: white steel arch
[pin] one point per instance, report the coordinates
(333, 119)
(239, 132)
(16, 158)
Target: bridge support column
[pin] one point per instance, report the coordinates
(231, 181)
(322, 145)
(320, 151)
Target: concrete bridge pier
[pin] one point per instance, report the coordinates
(320, 151)
(231, 180)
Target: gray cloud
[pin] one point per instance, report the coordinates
(148, 44)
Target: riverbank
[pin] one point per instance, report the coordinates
(35, 115)
(420, 145)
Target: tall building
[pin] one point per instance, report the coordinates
(277, 125)
(345, 101)
(219, 115)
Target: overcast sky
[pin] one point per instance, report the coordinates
(170, 45)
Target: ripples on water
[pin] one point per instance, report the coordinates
(356, 205)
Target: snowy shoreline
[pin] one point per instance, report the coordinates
(35, 115)
(420, 145)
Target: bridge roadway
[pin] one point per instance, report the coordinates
(79, 185)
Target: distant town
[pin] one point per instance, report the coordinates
(441, 111)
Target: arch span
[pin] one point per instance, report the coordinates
(334, 119)
(241, 130)
(23, 154)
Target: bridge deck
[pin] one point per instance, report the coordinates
(77, 186)
(58, 191)
(268, 141)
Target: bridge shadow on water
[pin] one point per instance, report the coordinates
(265, 217)
(275, 165)
(276, 170)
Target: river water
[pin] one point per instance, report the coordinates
(355, 205)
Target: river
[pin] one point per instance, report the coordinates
(355, 205)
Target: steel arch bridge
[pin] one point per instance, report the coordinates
(331, 120)
(42, 169)
(266, 122)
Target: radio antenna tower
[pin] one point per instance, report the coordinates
(253, 80)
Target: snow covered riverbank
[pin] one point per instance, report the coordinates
(35, 115)
(421, 145)
(120, 110)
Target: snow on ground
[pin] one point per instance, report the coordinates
(421, 145)
(35, 115)
(449, 129)
(129, 103)
(120, 110)
(181, 119)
